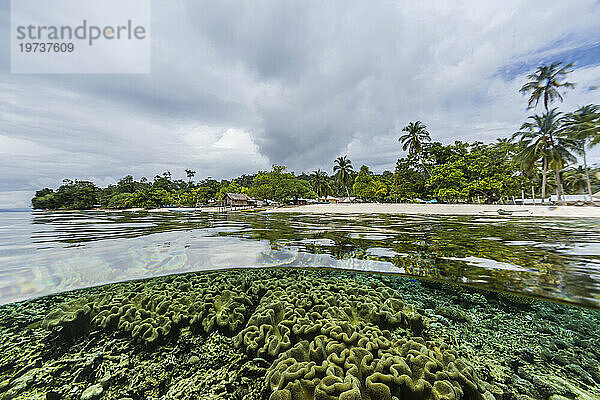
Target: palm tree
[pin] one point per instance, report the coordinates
(343, 171)
(319, 181)
(414, 138)
(535, 146)
(190, 174)
(560, 157)
(543, 138)
(583, 125)
(575, 179)
(545, 83)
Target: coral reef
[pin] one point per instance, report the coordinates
(377, 367)
(327, 338)
(284, 334)
(151, 311)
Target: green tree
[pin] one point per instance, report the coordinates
(474, 170)
(126, 184)
(230, 187)
(490, 171)
(199, 195)
(536, 138)
(407, 183)
(210, 187)
(245, 180)
(293, 188)
(120, 201)
(363, 187)
(77, 195)
(448, 182)
(379, 189)
(369, 187)
(190, 175)
(163, 181)
(415, 137)
(583, 125)
(150, 198)
(320, 183)
(343, 170)
(545, 83)
(575, 180)
(43, 192)
(266, 182)
(279, 185)
(560, 157)
(45, 199)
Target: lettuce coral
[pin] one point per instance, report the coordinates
(326, 338)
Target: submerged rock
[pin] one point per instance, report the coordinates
(452, 313)
(92, 392)
(558, 397)
(582, 374)
(52, 395)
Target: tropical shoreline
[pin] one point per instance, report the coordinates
(507, 210)
(444, 209)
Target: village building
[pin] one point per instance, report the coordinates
(238, 200)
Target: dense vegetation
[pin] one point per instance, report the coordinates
(538, 159)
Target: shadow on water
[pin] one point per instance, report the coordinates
(545, 257)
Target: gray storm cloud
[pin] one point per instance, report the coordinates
(236, 86)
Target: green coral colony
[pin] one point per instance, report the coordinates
(295, 335)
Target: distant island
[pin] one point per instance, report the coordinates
(540, 158)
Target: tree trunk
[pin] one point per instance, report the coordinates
(559, 188)
(544, 174)
(424, 167)
(587, 174)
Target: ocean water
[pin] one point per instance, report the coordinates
(259, 306)
(50, 252)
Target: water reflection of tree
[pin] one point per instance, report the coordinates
(80, 227)
(547, 264)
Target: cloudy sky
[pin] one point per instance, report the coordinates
(238, 85)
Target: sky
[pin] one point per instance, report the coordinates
(236, 86)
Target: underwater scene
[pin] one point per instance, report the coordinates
(174, 305)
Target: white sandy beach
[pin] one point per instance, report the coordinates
(422, 209)
(442, 209)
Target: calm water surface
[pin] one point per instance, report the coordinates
(49, 252)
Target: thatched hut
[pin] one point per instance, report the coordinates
(238, 200)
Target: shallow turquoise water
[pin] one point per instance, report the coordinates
(49, 252)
